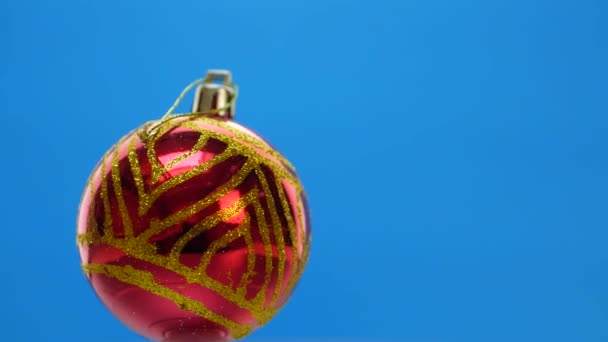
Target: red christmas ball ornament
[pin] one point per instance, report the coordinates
(192, 227)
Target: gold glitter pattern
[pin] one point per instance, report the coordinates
(258, 155)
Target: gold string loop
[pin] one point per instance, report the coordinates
(150, 129)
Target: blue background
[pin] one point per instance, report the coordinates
(454, 152)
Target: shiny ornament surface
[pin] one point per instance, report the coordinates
(193, 229)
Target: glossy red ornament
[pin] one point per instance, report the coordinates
(193, 228)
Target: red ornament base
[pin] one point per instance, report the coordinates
(193, 230)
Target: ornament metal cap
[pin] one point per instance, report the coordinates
(216, 95)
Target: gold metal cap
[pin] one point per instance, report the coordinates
(216, 95)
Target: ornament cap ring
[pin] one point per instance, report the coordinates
(216, 95)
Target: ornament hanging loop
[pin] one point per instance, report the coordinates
(216, 95)
(212, 99)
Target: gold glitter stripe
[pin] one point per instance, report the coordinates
(305, 255)
(157, 168)
(260, 299)
(107, 222)
(89, 189)
(252, 140)
(291, 224)
(137, 177)
(85, 239)
(156, 225)
(91, 235)
(210, 222)
(246, 279)
(277, 232)
(148, 199)
(291, 227)
(122, 207)
(143, 253)
(249, 151)
(182, 177)
(145, 280)
(298, 274)
(222, 242)
(256, 306)
(247, 145)
(200, 143)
